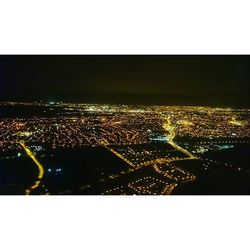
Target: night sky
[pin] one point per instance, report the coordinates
(162, 80)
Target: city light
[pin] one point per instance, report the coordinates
(144, 138)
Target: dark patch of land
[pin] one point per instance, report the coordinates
(16, 175)
(216, 180)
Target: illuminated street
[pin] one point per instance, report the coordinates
(123, 146)
(39, 166)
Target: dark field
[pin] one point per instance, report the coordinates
(216, 179)
(16, 175)
(68, 171)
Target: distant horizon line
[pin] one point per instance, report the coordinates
(43, 102)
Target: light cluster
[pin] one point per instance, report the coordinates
(76, 125)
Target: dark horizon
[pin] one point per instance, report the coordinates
(123, 100)
(208, 80)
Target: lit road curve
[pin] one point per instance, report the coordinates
(170, 129)
(171, 134)
(39, 166)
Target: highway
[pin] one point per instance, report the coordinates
(171, 134)
(39, 166)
